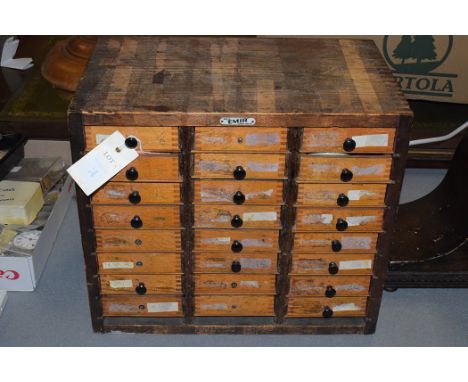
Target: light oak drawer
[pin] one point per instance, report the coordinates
(137, 193)
(141, 263)
(335, 264)
(234, 306)
(240, 139)
(141, 284)
(152, 138)
(333, 195)
(138, 240)
(239, 166)
(344, 169)
(326, 307)
(305, 242)
(149, 306)
(241, 193)
(348, 140)
(136, 217)
(150, 168)
(234, 284)
(239, 241)
(329, 286)
(339, 219)
(207, 216)
(234, 263)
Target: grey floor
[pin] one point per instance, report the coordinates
(57, 314)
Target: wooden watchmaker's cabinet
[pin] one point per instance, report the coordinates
(268, 184)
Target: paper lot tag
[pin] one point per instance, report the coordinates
(102, 163)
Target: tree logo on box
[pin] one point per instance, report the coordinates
(9, 274)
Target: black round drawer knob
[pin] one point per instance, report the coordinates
(131, 142)
(239, 173)
(349, 144)
(136, 222)
(134, 197)
(236, 266)
(330, 292)
(236, 246)
(336, 245)
(140, 289)
(346, 175)
(234, 285)
(341, 224)
(132, 173)
(342, 200)
(238, 198)
(332, 268)
(236, 221)
(327, 312)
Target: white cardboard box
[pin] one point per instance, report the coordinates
(22, 273)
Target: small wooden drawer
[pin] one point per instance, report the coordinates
(207, 216)
(333, 195)
(344, 169)
(150, 168)
(138, 240)
(141, 284)
(329, 286)
(326, 307)
(348, 140)
(241, 193)
(152, 138)
(149, 306)
(339, 264)
(239, 166)
(240, 139)
(136, 217)
(305, 242)
(137, 193)
(141, 263)
(236, 241)
(234, 284)
(339, 219)
(234, 263)
(234, 306)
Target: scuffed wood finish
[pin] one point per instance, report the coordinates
(314, 306)
(147, 306)
(223, 262)
(138, 240)
(152, 138)
(355, 264)
(364, 242)
(208, 284)
(221, 240)
(152, 168)
(138, 262)
(317, 285)
(234, 306)
(154, 284)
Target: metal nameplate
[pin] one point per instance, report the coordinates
(237, 121)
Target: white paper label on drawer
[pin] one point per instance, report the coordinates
(117, 265)
(355, 264)
(263, 139)
(255, 263)
(216, 240)
(259, 194)
(214, 306)
(160, 307)
(116, 284)
(262, 167)
(356, 242)
(250, 284)
(354, 221)
(372, 140)
(258, 242)
(101, 138)
(317, 218)
(358, 194)
(259, 216)
(346, 307)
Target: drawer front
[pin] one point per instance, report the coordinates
(333, 195)
(141, 263)
(234, 284)
(234, 263)
(242, 241)
(339, 264)
(348, 140)
(137, 193)
(333, 169)
(329, 286)
(335, 242)
(141, 284)
(249, 166)
(152, 138)
(234, 192)
(339, 219)
(136, 217)
(240, 139)
(316, 306)
(207, 216)
(138, 240)
(149, 306)
(150, 168)
(234, 306)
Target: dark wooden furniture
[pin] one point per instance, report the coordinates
(11, 152)
(234, 220)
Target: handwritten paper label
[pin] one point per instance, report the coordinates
(372, 140)
(116, 284)
(117, 265)
(355, 264)
(158, 307)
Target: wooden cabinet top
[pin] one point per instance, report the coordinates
(190, 81)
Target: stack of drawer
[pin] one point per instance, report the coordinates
(342, 181)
